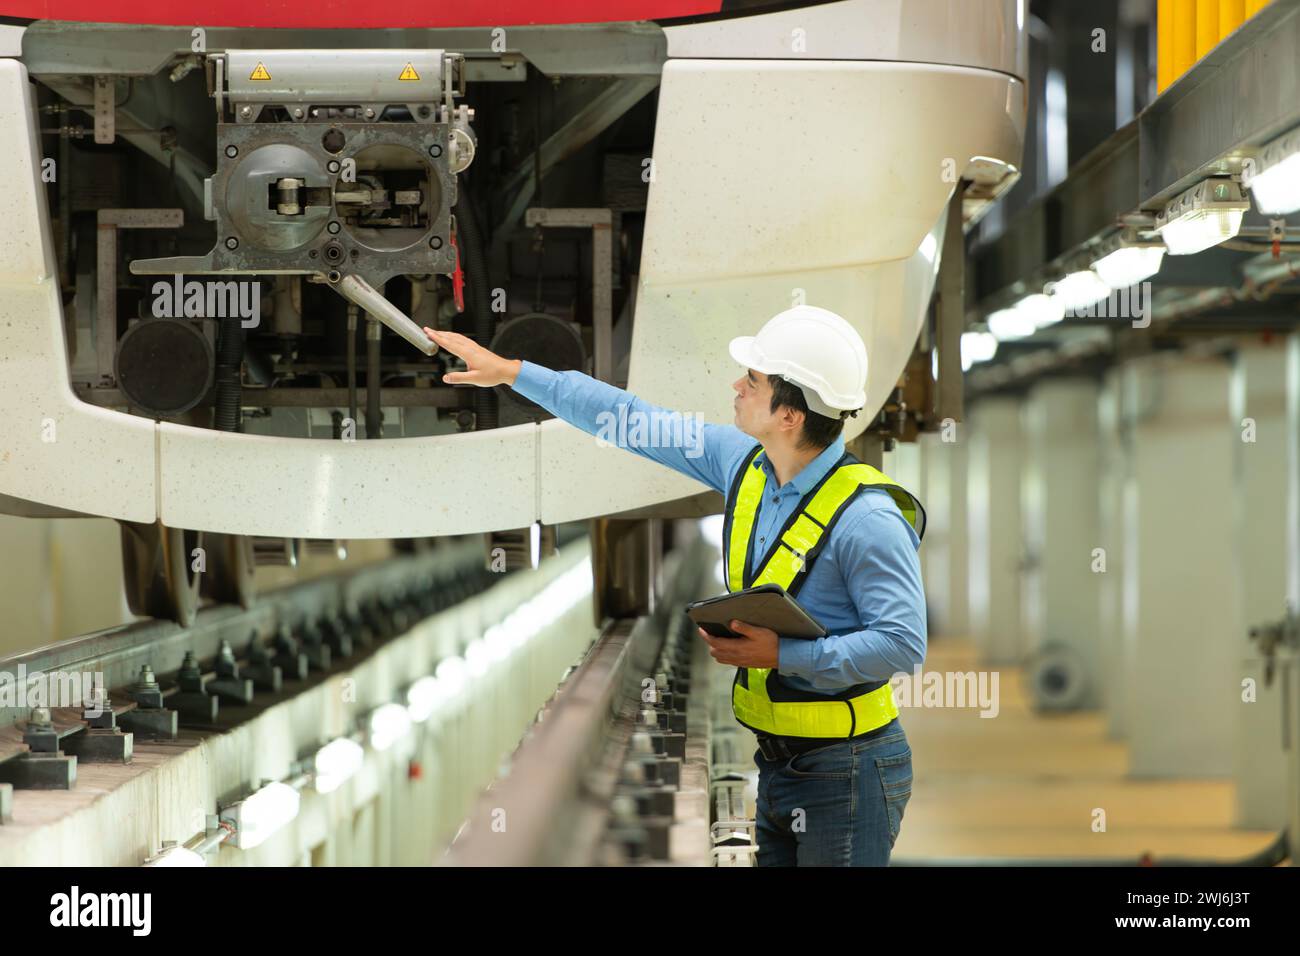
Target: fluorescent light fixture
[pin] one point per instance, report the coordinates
(176, 856)
(478, 659)
(554, 601)
(259, 816)
(389, 723)
(453, 674)
(1043, 310)
(1078, 290)
(1128, 265)
(1204, 216)
(977, 347)
(1273, 177)
(1013, 323)
(513, 636)
(502, 641)
(336, 763)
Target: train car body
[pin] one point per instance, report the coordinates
(800, 152)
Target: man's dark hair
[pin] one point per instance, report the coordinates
(818, 430)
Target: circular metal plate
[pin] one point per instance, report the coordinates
(542, 339)
(164, 366)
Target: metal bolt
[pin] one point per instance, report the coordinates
(370, 114)
(232, 150)
(96, 707)
(246, 112)
(146, 677)
(297, 112)
(435, 242)
(332, 228)
(232, 243)
(40, 717)
(332, 165)
(435, 150)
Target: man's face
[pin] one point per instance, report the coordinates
(754, 404)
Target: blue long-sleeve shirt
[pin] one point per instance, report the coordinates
(865, 585)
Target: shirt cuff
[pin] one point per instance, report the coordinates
(533, 380)
(795, 657)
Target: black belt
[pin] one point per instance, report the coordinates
(783, 748)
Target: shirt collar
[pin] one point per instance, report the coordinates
(812, 472)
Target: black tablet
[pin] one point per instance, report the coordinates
(766, 605)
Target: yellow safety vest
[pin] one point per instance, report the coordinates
(759, 699)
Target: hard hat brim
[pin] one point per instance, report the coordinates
(743, 351)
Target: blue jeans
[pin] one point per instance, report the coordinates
(838, 805)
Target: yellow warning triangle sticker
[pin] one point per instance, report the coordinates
(259, 73)
(409, 73)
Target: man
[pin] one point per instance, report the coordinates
(835, 768)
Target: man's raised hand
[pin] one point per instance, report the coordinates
(483, 368)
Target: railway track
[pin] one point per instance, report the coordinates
(455, 698)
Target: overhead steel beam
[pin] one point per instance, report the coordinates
(1242, 94)
(1238, 97)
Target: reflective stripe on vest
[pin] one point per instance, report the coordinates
(756, 696)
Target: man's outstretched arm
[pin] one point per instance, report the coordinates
(678, 440)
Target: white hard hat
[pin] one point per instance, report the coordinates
(815, 349)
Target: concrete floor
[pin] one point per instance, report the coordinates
(1023, 784)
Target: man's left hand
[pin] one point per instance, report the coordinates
(756, 647)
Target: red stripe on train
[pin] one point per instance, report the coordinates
(352, 13)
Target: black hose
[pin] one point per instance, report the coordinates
(352, 365)
(374, 417)
(476, 295)
(230, 357)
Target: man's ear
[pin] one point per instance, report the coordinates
(791, 418)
